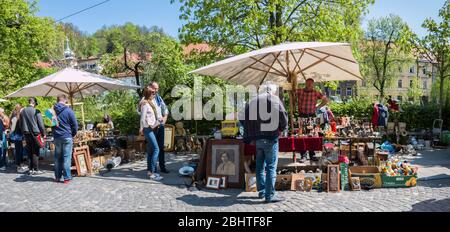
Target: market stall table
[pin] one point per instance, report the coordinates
(292, 144)
(353, 140)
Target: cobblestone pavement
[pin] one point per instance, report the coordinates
(126, 189)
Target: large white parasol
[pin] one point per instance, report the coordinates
(72, 82)
(287, 65)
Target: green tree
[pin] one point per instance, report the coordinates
(167, 65)
(385, 51)
(25, 39)
(415, 91)
(436, 48)
(237, 26)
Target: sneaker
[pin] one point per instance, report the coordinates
(156, 178)
(30, 172)
(275, 200)
(303, 160)
(261, 195)
(156, 174)
(66, 181)
(3, 169)
(38, 172)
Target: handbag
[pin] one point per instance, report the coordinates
(40, 141)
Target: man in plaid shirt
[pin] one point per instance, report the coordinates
(307, 106)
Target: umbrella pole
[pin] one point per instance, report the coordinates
(293, 78)
(71, 100)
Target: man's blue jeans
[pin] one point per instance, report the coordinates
(152, 150)
(266, 160)
(63, 158)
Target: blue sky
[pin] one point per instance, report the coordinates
(163, 14)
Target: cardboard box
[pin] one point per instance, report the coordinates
(283, 182)
(399, 181)
(366, 172)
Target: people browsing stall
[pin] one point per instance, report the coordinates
(33, 129)
(63, 133)
(162, 113)
(307, 99)
(265, 134)
(148, 126)
(17, 138)
(4, 125)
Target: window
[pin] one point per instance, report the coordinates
(411, 82)
(349, 91)
(425, 86)
(400, 98)
(400, 84)
(364, 84)
(411, 70)
(424, 70)
(338, 91)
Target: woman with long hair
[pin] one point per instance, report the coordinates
(17, 138)
(148, 125)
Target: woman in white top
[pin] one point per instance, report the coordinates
(148, 124)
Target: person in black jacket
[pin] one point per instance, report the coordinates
(264, 118)
(32, 125)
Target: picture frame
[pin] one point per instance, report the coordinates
(169, 138)
(83, 162)
(355, 184)
(297, 182)
(225, 157)
(333, 178)
(223, 182)
(213, 182)
(250, 182)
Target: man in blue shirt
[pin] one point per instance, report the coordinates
(63, 132)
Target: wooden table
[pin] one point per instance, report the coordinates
(353, 140)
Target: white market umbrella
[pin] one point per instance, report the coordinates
(72, 82)
(320, 60)
(287, 65)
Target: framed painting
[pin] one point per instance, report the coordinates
(169, 138)
(213, 183)
(250, 182)
(226, 158)
(83, 162)
(333, 178)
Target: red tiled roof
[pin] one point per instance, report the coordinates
(202, 47)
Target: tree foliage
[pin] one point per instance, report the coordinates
(237, 26)
(25, 39)
(436, 48)
(385, 51)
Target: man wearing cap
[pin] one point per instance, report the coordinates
(32, 125)
(307, 107)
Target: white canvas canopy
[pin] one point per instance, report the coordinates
(72, 82)
(287, 65)
(319, 60)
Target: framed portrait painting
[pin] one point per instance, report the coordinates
(225, 158)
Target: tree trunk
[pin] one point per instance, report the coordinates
(441, 96)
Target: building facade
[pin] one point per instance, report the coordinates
(400, 87)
